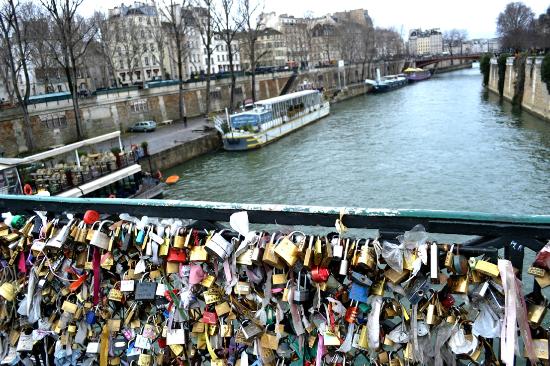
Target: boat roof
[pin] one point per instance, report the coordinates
(286, 97)
(101, 182)
(11, 162)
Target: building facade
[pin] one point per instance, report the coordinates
(429, 42)
(137, 58)
(270, 49)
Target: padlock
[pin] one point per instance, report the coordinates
(179, 239)
(458, 284)
(319, 274)
(279, 280)
(269, 340)
(226, 329)
(337, 248)
(317, 251)
(308, 257)
(367, 257)
(258, 251)
(536, 314)
(245, 258)
(115, 294)
(351, 312)
(287, 250)
(61, 236)
(219, 247)
(90, 217)
(198, 253)
(344, 264)
(242, 288)
(301, 292)
(327, 255)
(176, 255)
(362, 342)
(417, 289)
(99, 238)
(378, 287)
(250, 330)
(269, 257)
(209, 317)
(396, 277)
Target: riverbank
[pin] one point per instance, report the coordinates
(535, 99)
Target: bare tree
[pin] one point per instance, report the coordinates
(203, 15)
(252, 25)
(72, 35)
(106, 40)
(365, 47)
(227, 26)
(454, 38)
(515, 26)
(13, 19)
(175, 16)
(348, 36)
(44, 64)
(161, 42)
(129, 40)
(543, 30)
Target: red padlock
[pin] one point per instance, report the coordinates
(319, 274)
(161, 342)
(90, 216)
(209, 317)
(176, 255)
(448, 301)
(351, 313)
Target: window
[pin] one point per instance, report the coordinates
(152, 47)
(54, 120)
(139, 106)
(146, 61)
(59, 88)
(216, 94)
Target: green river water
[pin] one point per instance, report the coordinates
(444, 144)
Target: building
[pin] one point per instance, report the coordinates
(270, 49)
(137, 28)
(429, 42)
(296, 34)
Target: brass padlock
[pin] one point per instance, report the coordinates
(179, 239)
(279, 280)
(287, 250)
(536, 314)
(270, 258)
(242, 288)
(458, 284)
(308, 257)
(378, 287)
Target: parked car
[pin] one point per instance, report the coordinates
(144, 126)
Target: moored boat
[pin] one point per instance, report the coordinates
(70, 171)
(416, 74)
(271, 119)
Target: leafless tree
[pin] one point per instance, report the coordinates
(45, 66)
(129, 40)
(174, 15)
(161, 42)
(13, 19)
(454, 38)
(252, 24)
(227, 27)
(348, 36)
(72, 36)
(365, 48)
(542, 28)
(515, 26)
(203, 14)
(107, 44)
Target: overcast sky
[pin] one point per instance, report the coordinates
(478, 17)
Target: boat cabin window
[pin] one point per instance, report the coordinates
(9, 182)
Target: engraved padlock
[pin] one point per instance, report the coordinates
(250, 330)
(100, 239)
(287, 250)
(344, 263)
(301, 292)
(219, 247)
(258, 251)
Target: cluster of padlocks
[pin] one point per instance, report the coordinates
(88, 289)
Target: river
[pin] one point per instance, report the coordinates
(446, 144)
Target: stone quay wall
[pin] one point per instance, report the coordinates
(53, 123)
(536, 98)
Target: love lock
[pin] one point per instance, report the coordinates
(301, 293)
(287, 250)
(99, 238)
(218, 246)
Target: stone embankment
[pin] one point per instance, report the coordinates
(535, 99)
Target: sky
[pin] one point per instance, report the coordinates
(478, 17)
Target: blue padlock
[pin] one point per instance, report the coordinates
(359, 292)
(91, 317)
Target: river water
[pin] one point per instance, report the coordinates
(443, 144)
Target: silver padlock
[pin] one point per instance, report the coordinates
(219, 247)
(344, 264)
(301, 293)
(250, 330)
(337, 249)
(100, 239)
(417, 289)
(61, 236)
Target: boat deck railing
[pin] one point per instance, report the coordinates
(486, 234)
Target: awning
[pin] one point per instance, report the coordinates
(59, 150)
(101, 182)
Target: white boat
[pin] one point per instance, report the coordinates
(67, 172)
(271, 119)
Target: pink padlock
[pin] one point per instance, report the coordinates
(196, 274)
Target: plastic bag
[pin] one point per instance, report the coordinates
(486, 324)
(459, 344)
(408, 242)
